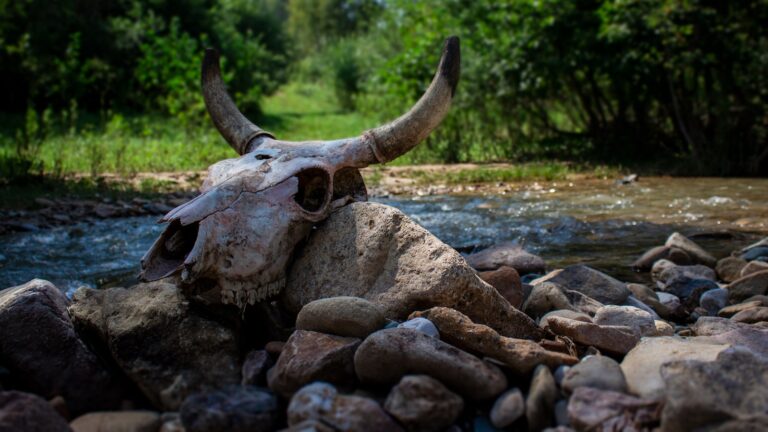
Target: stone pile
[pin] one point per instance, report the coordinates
(382, 327)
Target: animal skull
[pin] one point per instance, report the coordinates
(238, 235)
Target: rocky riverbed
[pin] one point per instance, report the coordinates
(383, 327)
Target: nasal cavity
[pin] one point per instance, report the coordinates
(314, 185)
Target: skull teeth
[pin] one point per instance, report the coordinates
(242, 295)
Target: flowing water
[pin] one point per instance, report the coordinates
(594, 222)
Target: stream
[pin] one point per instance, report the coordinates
(599, 223)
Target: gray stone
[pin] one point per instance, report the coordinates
(376, 252)
(670, 301)
(42, 351)
(755, 253)
(509, 255)
(595, 371)
(729, 268)
(611, 339)
(749, 337)
(687, 285)
(311, 356)
(28, 413)
(508, 408)
(752, 316)
(589, 282)
(639, 320)
(255, 367)
(645, 262)
(565, 313)
(642, 365)
(711, 326)
(235, 409)
(342, 316)
(117, 421)
(592, 409)
(540, 405)
(714, 300)
(161, 343)
(546, 297)
(422, 403)
(633, 301)
(706, 394)
(421, 324)
(747, 286)
(693, 250)
(321, 401)
(753, 267)
(387, 355)
(659, 267)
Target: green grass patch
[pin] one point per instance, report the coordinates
(548, 171)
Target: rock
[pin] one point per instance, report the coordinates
(423, 325)
(649, 258)
(705, 394)
(311, 356)
(693, 250)
(650, 298)
(595, 371)
(729, 268)
(509, 255)
(376, 252)
(729, 311)
(561, 414)
(751, 316)
(659, 267)
(670, 301)
(748, 286)
(711, 326)
(595, 409)
(540, 405)
(342, 316)
(520, 355)
(43, 353)
(320, 401)
(255, 367)
(753, 339)
(509, 407)
(546, 297)
(639, 320)
(235, 409)
(663, 328)
(117, 421)
(611, 339)
(422, 403)
(507, 282)
(565, 313)
(274, 348)
(753, 267)
(642, 292)
(687, 287)
(159, 341)
(632, 301)
(387, 355)
(589, 282)
(642, 365)
(755, 253)
(28, 413)
(714, 300)
(310, 426)
(171, 422)
(697, 271)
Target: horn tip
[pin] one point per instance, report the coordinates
(450, 64)
(210, 62)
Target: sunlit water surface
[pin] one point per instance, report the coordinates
(598, 223)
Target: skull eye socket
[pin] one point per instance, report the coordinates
(314, 185)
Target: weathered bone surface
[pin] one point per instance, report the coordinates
(238, 235)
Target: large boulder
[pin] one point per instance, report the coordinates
(29, 413)
(42, 351)
(161, 343)
(376, 252)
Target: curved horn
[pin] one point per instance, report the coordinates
(396, 138)
(231, 123)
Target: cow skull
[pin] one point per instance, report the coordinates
(238, 235)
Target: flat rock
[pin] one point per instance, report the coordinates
(235, 409)
(595, 371)
(342, 316)
(611, 339)
(159, 341)
(754, 267)
(751, 316)
(507, 282)
(710, 326)
(639, 320)
(422, 403)
(387, 355)
(729, 268)
(747, 286)
(595, 409)
(520, 355)
(707, 394)
(642, 365)
(376, 252)
(509, 407)
(507, 254)
(421, 324)
(590, 282)
(695, 251)
(43, 353)
(29, 413)
(565, 313)
(321, 401)
(311, 356)
(646, 261)
(749, 337)
(663, 328)
(117, 421)
(729, 311)
(540, 405)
